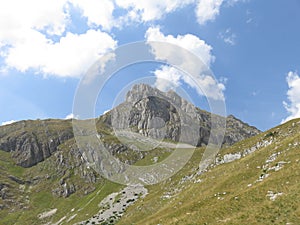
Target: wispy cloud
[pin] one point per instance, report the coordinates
(249, 16)
(255, 93)
(228, 36)
(233, 2)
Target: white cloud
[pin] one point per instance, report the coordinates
(100, 66)
(293, 95)
(8, 122)
(202, 82)
(151, 9)
(70, 57)
(98, 12)
(18, 16)
(207, 10)
(167, 78)
(24, 44)
(188, 41)
(71, 116)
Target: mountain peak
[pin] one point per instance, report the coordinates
(182, 120)
(139, 91)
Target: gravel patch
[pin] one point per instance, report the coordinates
(114, 205)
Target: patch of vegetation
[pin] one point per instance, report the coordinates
(271, 134)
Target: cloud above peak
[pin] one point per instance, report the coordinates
(197, 75)
(293, 95)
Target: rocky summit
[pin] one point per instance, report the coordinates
(166, 115)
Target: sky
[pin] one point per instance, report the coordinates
(251, 46)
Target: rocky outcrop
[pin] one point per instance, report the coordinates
(31, 142)
(237, 130)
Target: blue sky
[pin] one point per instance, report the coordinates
(251, 46)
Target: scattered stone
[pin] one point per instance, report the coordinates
(155, 159)
(71, 217)
(262, 177)
(113, 206)
(47, 214)
(273, 195)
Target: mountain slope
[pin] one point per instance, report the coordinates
(44, 178)
(256, 181)
(31, 142)
(60, 186)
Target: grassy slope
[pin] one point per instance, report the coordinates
(224, 195)
(191, 203)
(42, 200)
(36, 199)
(28, 201)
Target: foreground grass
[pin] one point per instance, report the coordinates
(43, 201)
(230, 193)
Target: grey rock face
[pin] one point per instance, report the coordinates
(236, 130)
(165, 115)
(31, 142)
(150, 115)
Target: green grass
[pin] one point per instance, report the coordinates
(191, 203)
(198, 203)
(8, 165)
(43, 201)
(87, 205)
(40, 194)
(161, 154)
